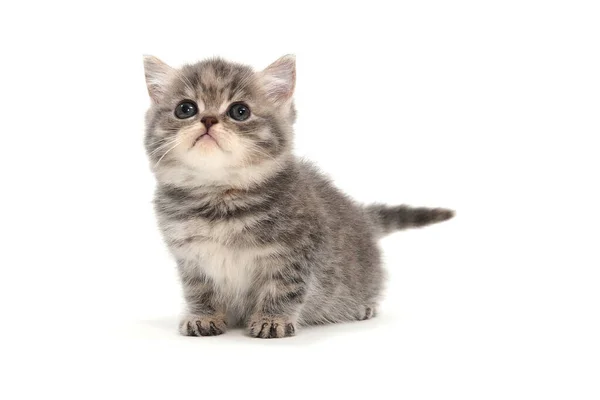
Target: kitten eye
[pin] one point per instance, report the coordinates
(239, 111)
(186, 109)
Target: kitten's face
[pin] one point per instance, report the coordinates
(216, 121)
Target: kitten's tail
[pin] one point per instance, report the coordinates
(388, 219)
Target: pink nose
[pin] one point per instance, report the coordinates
(209, 121)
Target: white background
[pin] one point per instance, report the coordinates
(491, 108)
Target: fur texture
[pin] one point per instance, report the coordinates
(261, 238)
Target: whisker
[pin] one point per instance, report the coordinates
(162, 146)
(163, 156)
(162, 139)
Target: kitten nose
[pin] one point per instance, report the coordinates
(209, 121)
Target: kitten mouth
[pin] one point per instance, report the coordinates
(205, 136)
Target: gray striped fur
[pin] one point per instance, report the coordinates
(260, 237)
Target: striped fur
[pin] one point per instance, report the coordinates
(261, 238)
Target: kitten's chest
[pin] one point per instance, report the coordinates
(213, 250)
(230, 269)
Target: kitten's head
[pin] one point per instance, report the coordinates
(217, 122)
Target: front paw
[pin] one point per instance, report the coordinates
(196, 325)
(270, 327)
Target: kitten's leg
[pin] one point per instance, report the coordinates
(206, 315)
(279, 300)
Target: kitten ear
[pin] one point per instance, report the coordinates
(157, 76)
(279, 79)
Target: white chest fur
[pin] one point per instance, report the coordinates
(205, 246)
(232, 270)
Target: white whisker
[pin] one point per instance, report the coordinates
(163, 156)
(162, 146)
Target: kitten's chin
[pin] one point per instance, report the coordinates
(205, 154)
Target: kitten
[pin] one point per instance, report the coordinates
(260, 237)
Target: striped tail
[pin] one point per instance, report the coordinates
(389, 219)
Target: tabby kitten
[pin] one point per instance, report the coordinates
(260, 237)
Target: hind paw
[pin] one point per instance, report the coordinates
(367, 313)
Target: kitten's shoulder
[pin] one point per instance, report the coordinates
(311, 174)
